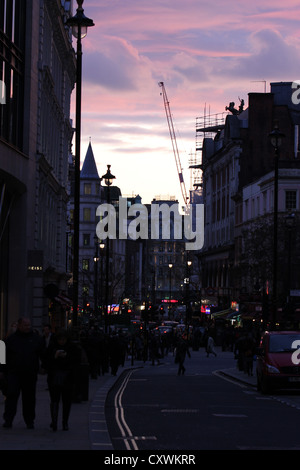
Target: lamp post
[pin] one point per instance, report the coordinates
(170, 288)
(79, 24)
(108, 179)
(290, 224)
(187, 294)
(276, 140)
(102, 246)
(96, 261)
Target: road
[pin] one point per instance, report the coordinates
(152, 408)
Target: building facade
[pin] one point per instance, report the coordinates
(238, 184)
(37, 67)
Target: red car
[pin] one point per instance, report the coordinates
(278, 361)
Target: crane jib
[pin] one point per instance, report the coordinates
(174, 143)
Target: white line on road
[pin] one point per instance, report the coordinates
(220, 415)
(119, 415)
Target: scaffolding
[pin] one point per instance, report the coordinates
(207, 126)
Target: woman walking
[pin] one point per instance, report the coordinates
(210, 347)
(61, 361)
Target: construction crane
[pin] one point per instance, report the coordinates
(174, 143)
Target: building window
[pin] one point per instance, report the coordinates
(12, 28)
(290, 200)
(246, 209)
(86, 239)
(85, 264)
(87, 188)
(264, 202)
(87, 214)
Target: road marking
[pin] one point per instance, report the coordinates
(119, 415)
(137, 438)
(263, 398)
(179, 411)
(233, 381)
(220, 415)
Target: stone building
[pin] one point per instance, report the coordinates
(38, 69)
(238, 184)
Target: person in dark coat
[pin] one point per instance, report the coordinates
(154, 348)
(92, 347)
(24, 349)
(114, 353)
(182, 350)
(61, 360)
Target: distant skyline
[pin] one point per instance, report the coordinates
(206, 53)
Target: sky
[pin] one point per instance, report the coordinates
(207, 54)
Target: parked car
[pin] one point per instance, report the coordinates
(277, 361)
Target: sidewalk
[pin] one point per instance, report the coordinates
(240, 375)
(87, 424)
(86, 420)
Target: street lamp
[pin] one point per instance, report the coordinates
(96, 260)
(102, 246)
(170, 286)
(79, 24)
(276, 138)
(290, 224)
(187, 289)
(108, 179)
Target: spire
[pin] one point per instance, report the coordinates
(89, 168)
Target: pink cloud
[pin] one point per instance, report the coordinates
(207, 53)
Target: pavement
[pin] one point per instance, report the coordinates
(87, 423)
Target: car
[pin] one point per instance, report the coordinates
(164, 330)
(278, 361)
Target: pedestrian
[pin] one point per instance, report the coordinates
(123, 347)
(154, 348)
(24, 350)
(92, 346)
(182, 350)
(62, 360)
(47, 335)
(210, 347)
(114, 353)
(12, 329)
(249, 352)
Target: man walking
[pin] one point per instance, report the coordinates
(23, 350)
(181, 350)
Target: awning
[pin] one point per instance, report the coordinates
(224, 313)
(63, 300)
(251, 315)
(233, 314)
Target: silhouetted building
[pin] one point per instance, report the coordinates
(37, 65)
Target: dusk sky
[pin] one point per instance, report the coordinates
(206, 53)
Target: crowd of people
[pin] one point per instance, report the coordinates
(56, 354)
